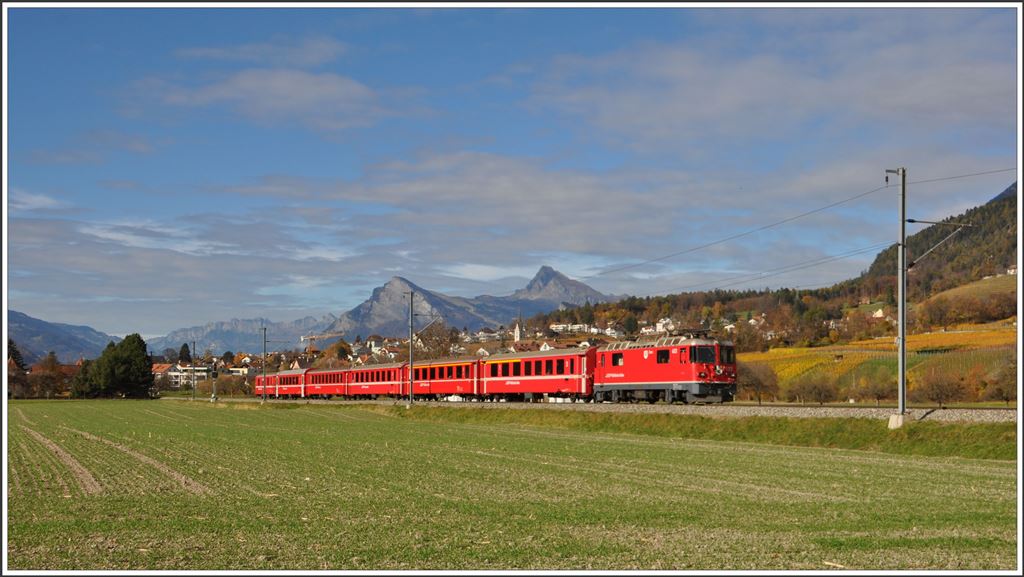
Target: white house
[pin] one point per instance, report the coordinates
(545, 346)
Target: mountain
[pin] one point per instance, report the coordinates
(36, 338)
(386, 312)
(242, 335)
(552, 286)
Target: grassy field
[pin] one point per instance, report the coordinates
(194, 485)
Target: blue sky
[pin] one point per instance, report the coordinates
(169, 167)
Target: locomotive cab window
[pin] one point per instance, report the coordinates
(617, 359)
(728, 356)
(662, 356)
(702, 354)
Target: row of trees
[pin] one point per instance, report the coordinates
(757, 381)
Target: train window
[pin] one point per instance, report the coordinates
(617, 359)
(528, 368)
(494, 370)
(517, 369)
(433, 373)
(560, 366)
(536, 367)
(662, 356)
(504, 369)
(449, 372)
(458, 372)
(549, 367)
(602, 359)
(572, 366)
(702, 354)
(728, 355)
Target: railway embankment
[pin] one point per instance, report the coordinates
(976, 415)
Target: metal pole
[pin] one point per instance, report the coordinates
(411, 293)
(264, 363)
(193, 355)
(903, 293)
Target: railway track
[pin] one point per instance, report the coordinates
(986, 414)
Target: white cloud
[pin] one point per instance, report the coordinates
(303, 53)
(21, 200)
(324, 101)
(911, 75)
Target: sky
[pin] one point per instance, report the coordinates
(169, 167)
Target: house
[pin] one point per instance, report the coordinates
(879, 314)
(648, 330)
(730, 327)
(610, 332)
(239, 371)
(482, 352)
(161, 370)
(545, 346)
(664, 325)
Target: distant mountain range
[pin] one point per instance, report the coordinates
(385, 313)
(36, 338)
(241, 335)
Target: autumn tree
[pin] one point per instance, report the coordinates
(1004, 386)
(756, 380)
(819, 389)
(939, 386)
(46, 379)
(877, 385)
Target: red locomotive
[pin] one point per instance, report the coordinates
(688, 369)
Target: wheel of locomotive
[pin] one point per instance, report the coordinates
(652, 397)
(616, 396)
(669, 396)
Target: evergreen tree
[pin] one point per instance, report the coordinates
(134, 370)
(184, 355)
(82, 386)
(14, 354)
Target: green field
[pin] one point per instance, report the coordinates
(192, 485)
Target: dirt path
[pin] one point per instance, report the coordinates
(186, 482)
(85, 479)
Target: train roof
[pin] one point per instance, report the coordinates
(453, 361)
(377, 367)
(536, 354)
(661, 342)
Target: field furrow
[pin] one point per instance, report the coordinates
(86, 482)
(186, 482)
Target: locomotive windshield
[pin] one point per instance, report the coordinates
(702, 354)
(728, 356)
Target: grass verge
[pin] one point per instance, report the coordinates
(969, 440)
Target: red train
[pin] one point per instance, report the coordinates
(674, 369)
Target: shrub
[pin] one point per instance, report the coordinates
(940, 387)
(818, 389)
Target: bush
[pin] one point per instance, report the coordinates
(818, 389)
(756, 380)
(939, 386)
